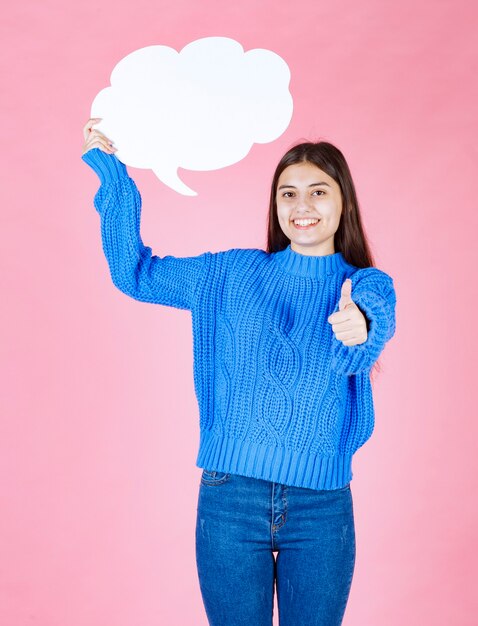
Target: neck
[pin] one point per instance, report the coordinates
(311, 266)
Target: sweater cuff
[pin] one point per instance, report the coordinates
(107, 166)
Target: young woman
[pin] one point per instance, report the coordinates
(284, 344)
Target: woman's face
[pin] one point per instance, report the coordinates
(306, 192)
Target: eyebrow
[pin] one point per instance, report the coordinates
(312, 185)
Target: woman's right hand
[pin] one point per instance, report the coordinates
(95, 138)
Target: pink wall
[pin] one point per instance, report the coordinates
(99, 426)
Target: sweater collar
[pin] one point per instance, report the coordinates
(311, 266)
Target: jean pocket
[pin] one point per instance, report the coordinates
(214, 477)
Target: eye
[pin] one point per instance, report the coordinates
(285, 194)
(320, 190)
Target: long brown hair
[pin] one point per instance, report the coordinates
(350, 238)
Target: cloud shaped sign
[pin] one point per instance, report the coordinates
(200, 109)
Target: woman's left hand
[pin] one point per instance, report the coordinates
(348, 323)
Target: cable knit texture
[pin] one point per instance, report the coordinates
(280, 397)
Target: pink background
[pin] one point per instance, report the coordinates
(100, 426)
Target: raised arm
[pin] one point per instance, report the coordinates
(167, 280)
(373, 292)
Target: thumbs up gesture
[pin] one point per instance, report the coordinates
(348, 323)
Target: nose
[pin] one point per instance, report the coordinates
(302, 205)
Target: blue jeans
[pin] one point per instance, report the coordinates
(242, 521)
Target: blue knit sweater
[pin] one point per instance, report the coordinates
(280, 397)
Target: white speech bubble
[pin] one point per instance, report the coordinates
(200, 109)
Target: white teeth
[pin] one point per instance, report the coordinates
(305, 222)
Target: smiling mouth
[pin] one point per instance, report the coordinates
(307, 224)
